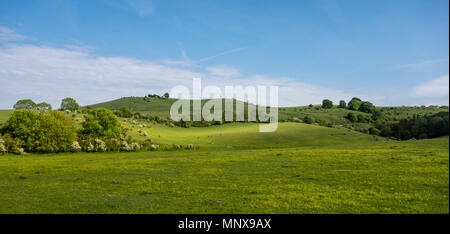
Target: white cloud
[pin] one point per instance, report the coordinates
(7, 34)
(223, 71)
(49, 74)
(437, 88)
(423, 64)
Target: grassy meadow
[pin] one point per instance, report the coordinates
(299, 168)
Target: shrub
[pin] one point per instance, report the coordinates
(374, 131)
(308, 120)
(113, 144)
(362, 119)
(101, 122)
(352, 117)
(100, 145)
(125, 112)
(75, 146)
(44, 132)
(3, 149)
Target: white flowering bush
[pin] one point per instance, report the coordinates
(3, 149)
(100, 145)
(89, 147)
(75, 146)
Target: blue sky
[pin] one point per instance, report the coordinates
(389, 52)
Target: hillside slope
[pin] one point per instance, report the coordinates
(161, 107)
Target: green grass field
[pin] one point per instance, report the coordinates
(4, 115)
(298, 169)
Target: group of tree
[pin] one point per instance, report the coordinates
(357, 104)
(54, 130)
(28, 104)
(164, 96)
(419, 127)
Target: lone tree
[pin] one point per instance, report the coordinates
(125, 112)
(69, 104)
(43, 106)
(327, 104)
(166, 95)
(354, 103)
(367, 107)
(342, 104)
(25, 104)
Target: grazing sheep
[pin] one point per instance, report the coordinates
(190, 146)
(144, 133)
(19, 151)
(135, 146)
(141, 126)
(154, 147)
(75, 146)
(126, 146)
(2, 147)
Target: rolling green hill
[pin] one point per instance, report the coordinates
(300, 168)
(336, 116)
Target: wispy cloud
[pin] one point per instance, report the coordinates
(223, 71)
(7, 34)
(423, 64)
(221, 54)
(49, 74)
(186, 61)
(436, 88)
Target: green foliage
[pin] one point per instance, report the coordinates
(374, 131)
(25, 104)
(378, 115)
(166, 95)
(363, 118)
(308, 120)
(352, 117)
(125, 112)
(327, 104)
(418, 127)
(41, 132)
(354, 104)
(367, 107)
(101, 122)
(69, 104)
(342, 104)
(43, 106)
